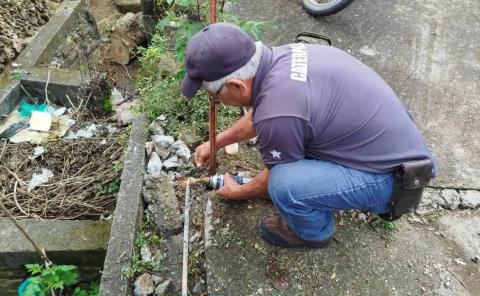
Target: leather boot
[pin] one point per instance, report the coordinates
(275, 231)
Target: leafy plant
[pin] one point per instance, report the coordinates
(49, 280)
(46, 279)
(15, 75)
(107, 105)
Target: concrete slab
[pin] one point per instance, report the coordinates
(429, 57)
(82, 243)
(51, 35)
(127, 216)
(410, 261)
(464, 231)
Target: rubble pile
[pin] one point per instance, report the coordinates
(19, 19)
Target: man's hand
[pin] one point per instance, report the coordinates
(230, 189)
(202, 154)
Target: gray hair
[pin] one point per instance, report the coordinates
(249, 70)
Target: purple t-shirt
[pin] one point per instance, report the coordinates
(318, 102)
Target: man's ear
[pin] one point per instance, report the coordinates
(238, 85)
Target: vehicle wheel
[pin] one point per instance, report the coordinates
(325, 7)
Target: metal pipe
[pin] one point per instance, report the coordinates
(186, 222)
(213, 107)
(213, 136)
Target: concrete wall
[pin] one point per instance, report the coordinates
(82, 243)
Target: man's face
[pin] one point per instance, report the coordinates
(234, 93)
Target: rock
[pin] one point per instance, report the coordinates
(125, 6)
(155, 165)
(171, 163)
(145, 254)
(162, 289)
(252, 141)
(149, 148)
(470, 199)
(157, 279)
(159, 194)
(182, 150)
(191, 140)
(127, 33)
(165, 141)
(429, 203)
(197, 290)
(162, 151)
(157, 128)
(362, 217)
(124, 115)
(143, 285)
(449, 199)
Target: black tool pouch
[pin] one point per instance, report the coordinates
(410, 181)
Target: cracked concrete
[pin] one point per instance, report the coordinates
(432, 61)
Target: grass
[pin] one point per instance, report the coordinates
(159, 86)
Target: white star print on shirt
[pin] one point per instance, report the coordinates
(276, 154)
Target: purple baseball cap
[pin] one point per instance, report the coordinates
(215, 52)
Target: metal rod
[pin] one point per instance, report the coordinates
(186, 222)
(213, 107)
(213, 11)
(213, 136)
(39, 250)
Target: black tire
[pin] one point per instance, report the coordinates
(323, 9)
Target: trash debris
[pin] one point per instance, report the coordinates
(26, 109)
(39, 150)
(87, 132)
(39, 179)
(13, 130)
(40, 121)
(59, 112)
(459, 261)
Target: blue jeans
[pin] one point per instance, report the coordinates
(306, 192)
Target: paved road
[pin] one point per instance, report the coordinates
(428, 51)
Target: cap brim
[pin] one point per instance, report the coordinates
(190, 86)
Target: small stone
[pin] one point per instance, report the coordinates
(197, 290)
(157, 279)
(252, 141)
(144, 285)
(163, 152)
(165, 141)
(476, 259)
(196, 236)
(470, 199)
(191, 140)
(163, 288)
(146, 254)
(171, 163)
(157, 129)
(149, 148)
(449, 199)
(155, 165)
(182, 150)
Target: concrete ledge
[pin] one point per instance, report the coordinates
(51, 34)
(10, 93)
(62, 83)
(127, 216)
(82, 243)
